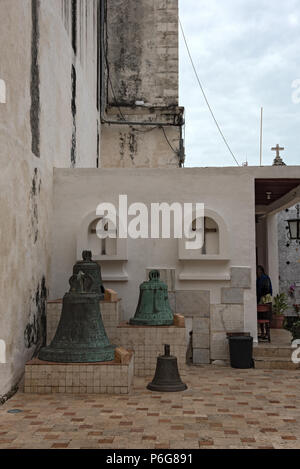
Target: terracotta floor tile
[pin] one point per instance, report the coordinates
(106, 441)
(60, 445)
(217, 411)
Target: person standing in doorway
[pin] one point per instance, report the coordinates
(264, 289)
(264, 293)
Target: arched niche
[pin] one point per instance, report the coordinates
(111, 253)
(211, 260)
(102, 247)
(211, 242)
(2, 351)
(216, 239)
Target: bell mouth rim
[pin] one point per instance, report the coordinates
(83, 295)
(77, 355)
(167, 387)
(141, 322)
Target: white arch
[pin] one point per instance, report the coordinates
(2, 92)
(2, 351)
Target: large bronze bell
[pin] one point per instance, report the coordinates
(167, 378)
(92, 268)
(153, 308)
(80, 336)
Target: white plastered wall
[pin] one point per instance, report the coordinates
(76, 192)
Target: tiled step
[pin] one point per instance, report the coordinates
(275, 363)
(268, 350)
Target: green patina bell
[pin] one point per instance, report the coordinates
(153, 308)
(92, 268)
(80, 336)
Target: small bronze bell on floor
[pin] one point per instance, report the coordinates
(153, 308)
(167, 378)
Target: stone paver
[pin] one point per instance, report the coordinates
(222, 408)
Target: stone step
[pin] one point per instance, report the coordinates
(283, 351)
(275, 363)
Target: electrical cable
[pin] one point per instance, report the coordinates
(168, 141)
(122, 115)
(203, 92)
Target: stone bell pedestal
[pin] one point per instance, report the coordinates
(147, 342)
(113, 377)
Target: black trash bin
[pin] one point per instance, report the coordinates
(240, 349)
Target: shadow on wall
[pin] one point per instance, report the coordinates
(2, 92)
(35, 331)
(2, 351)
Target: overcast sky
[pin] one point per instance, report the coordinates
(247, 54)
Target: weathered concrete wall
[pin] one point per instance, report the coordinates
(36, 134)
(124, 146)
(142, 56)
(229, 282)
(289, 259)
(144, 60)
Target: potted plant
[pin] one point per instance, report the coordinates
(263, 308)
(292, 289)
(279, 307)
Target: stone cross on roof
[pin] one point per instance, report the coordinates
(278, 160)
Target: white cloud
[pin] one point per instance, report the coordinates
(293, 19)
(247, 56)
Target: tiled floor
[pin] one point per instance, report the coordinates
(222, 408)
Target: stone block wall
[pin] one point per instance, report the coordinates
(289, 261)
(228, 316)
(143, 72)
(224, 318)
(148, 342)
(211, 322)
(196, 305)
(144, 59)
